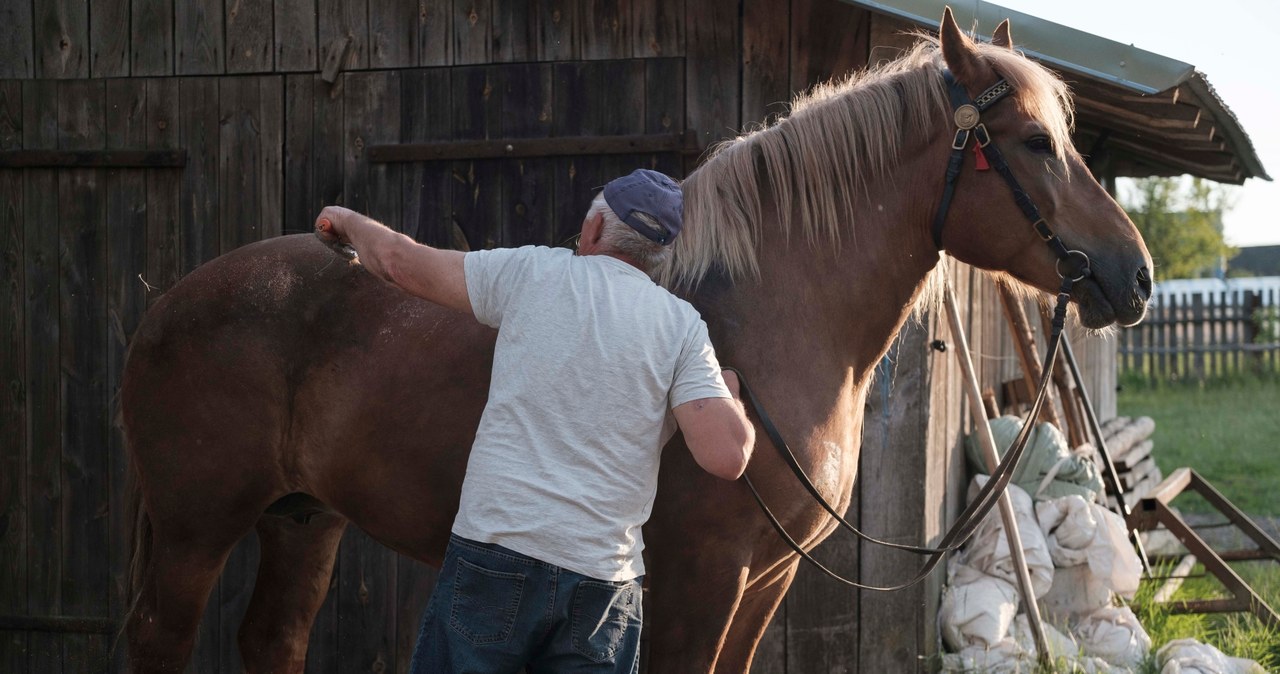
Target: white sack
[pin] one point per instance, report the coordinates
(976, 609)
(1188, 656)
(988, 550)
(1075, 594)
(1114, 634)
(1016, 654)
(1078, 532)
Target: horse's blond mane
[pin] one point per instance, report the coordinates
(840, 139)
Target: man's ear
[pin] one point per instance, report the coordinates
(592, 232)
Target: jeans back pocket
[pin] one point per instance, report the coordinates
(605, 616)
(485, 603)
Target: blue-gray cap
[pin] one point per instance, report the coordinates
(650, 202)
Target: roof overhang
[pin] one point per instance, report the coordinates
(1155, 115)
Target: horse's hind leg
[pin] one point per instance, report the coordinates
(293, 579)
(175, 584)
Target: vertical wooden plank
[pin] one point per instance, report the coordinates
(372, 111)
(109, 39)
(605, 29)
(163, 240)
(151, 37)
(896, 440)
(366, 604)
(435, 33)
(664, 108)
(526, 183)
(240, 161)
(477, 193)
(472, 31)
(367, 596)
(414, 583)
(13, 387)
(17, 59)
(328, 145)
(766, 65)
(295, 35)
(427, 114)
(1176, 341)
(618, 81)
(393, 33)
(558, 38)
(44, 429)
(657, 27)
(574, 183)
(711, 75)
(199, 43)
(250, 36)
(341, 21)
(1198, 335)
(515, 31)
(61, 38)
(126, 240)
(199, 222)
(828, 38)
(271, 136)
(299, 199)
(82, 347)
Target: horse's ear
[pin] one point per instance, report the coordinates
(958, 51)
(1002, 38)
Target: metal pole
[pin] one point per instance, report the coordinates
(991, 458)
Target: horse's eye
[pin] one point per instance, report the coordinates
(1040, 144)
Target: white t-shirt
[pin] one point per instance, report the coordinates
(591, 357)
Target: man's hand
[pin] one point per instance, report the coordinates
(334, 224)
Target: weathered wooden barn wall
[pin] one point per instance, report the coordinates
(244, 90)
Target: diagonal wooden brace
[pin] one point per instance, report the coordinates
(1154, 511)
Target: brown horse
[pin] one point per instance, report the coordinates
(263, 383)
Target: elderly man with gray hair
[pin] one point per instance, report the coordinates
(595, 366)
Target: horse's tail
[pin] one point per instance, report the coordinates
(140, 539)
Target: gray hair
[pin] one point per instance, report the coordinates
(619, 237)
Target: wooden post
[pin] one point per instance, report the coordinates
(991, 458)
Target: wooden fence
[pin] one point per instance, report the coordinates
(1205, 334)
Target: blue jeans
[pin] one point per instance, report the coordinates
(495, 610)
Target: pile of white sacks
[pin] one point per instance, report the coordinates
(1081, 565)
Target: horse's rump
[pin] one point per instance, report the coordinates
(280, 369)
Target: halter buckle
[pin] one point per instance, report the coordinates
(961, 139)
(981, 135)
(1079, 258)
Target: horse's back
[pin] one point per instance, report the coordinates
(281, 368)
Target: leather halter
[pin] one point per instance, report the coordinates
(967, 114)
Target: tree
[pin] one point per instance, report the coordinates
(1181, 221)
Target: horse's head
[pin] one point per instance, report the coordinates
(1030, 127)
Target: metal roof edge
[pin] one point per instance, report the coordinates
(1199, 84)
(1065, 47)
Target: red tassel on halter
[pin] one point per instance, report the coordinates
(979, 158)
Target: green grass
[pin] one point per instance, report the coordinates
(1240, 635)
(1227, 431)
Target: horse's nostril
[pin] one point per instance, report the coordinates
(1144, 282)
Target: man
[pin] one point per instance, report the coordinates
(592, 361)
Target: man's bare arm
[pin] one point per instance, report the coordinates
(430, 273)
(717, 432)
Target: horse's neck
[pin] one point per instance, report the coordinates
(809, 332)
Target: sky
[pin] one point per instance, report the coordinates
(1234, 43)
